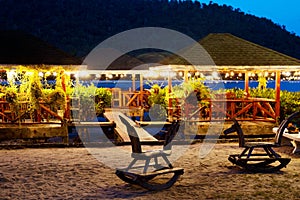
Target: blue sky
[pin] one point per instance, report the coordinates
(283, 12)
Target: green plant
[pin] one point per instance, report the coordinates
(158, 96)
(56, 99)
(102, 100)
(262, 82)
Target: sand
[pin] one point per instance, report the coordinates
(73, 173)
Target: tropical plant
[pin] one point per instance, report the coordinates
(262, 82)
(103, 99)
(158, 96)
(56, 99)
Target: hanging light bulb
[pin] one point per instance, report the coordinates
(266, 74)
(109, 76)
(47, 73)
(215, 75)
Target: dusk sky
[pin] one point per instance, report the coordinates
(279, 11)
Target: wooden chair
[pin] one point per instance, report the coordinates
(252, 158)
(144, 179)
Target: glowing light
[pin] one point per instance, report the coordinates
(215, 75)
(231, 73)
(240, 74)
(266, 74)
(11, 75)
(41, 74)
(47, 73)
(110, 76)
(54, 74)
(83, 74)
(172, 74)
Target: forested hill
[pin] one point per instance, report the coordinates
(77, 26)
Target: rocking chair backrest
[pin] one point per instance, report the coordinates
(171, 133)
(235, 127)
(134, 138)
(283, 125)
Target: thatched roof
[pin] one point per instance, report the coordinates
(24, 49)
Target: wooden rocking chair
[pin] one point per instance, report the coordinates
(259, 161)
(144, 179)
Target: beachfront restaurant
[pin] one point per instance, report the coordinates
(237, 63)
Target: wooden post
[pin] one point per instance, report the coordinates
(186, 77)
(133, 82)
(63, 85)
(247, 84)
(170, 109)
(277, 96)
(141, 90)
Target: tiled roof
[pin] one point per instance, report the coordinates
(24, 49)
(226, 49)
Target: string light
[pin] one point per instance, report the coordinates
(266, 74)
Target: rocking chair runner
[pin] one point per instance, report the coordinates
(144, 179)
(257, 161)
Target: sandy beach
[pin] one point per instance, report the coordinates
(73, 173)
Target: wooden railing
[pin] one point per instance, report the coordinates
(250, 109)
(21, 113)
(220, 108)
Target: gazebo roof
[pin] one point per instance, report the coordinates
(18, 48)
(229, 50)
(226, 51)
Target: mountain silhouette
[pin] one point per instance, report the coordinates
(77, 26)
